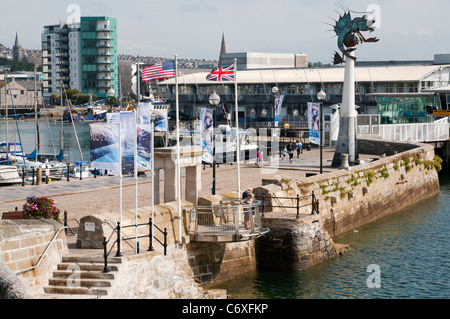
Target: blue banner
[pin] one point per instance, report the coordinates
(104, 142)
(314, 122)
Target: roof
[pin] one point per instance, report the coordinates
(410, 73)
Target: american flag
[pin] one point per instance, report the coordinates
(222, 74)
(164, 70)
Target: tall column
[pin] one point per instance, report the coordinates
(346, 143)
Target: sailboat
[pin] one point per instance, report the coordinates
(8, 173)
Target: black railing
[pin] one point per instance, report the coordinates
(118, 231)
(314, 203)
(164, 244)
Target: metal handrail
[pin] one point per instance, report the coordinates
(225, 219)
(118, 231)
(43, 254)
(314, 203)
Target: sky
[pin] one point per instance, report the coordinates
(192, 29)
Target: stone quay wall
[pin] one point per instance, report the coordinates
(23, 242)
(348, 199)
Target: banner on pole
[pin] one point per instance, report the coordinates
(314, 122)
(278, 104)
(128, 124)
(144, 113)
(144, 146)
(161, 120)
(104, 142)
(207, 132)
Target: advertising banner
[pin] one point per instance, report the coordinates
(105, 147)
(278, 104)
(161, 120)
(207, 132)
(144, 146)
(314, 122)
(144, 113)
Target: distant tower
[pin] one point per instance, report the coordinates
(17, 50)
(223, 50)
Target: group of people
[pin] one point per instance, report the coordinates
(288, 150)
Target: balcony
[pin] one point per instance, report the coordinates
(228, 222)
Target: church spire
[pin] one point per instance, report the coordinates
(223, 50)
(17, 50)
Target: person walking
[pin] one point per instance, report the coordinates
(299, 148)
(284, 153)
(290, 152)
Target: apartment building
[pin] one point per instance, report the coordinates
(81, 56)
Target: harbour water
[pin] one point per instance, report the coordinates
(50, 137)
(410, 249)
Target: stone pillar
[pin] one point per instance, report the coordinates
(170, 183)
(346, 143)
(193, 183)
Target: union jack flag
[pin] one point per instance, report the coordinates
(222, 74)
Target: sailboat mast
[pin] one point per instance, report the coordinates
(35, 115)
(6, 112)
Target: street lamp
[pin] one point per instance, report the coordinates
(214, 100)
(321, 96)
(111, 93)
(274, 92)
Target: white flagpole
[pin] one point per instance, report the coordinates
(238, 147)
(136, 178)
(152, 120)
(121, 181)
(178, 149)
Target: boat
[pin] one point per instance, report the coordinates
(225, 145)
(13, 155)
(92, 114)
(9, 175)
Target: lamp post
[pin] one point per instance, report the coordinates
(321, 96)
(214, 100)
(274, 92)
(111, 93)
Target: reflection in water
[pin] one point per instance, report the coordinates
(410, 247)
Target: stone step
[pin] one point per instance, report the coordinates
(90, 259)
(75, 291)
(86, 267)
(79, 283)
(83, 275)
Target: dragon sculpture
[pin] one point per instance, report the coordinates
(348, 31)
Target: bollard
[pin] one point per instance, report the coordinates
(23, 176)
(81, 172)
(32, 175)
(298, 206)
(68, 172)
(39, 177)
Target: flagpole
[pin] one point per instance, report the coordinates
(152, 121)
(136, 180)
(178, 148)
(238, 147)
(138, 83)
(121, 184)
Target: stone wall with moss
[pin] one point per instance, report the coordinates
(351, 198)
